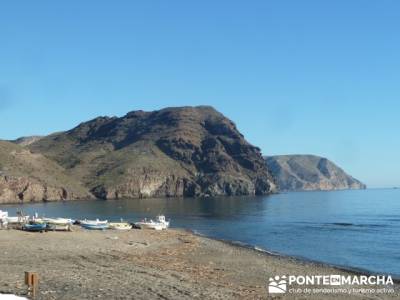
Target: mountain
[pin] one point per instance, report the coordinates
(25, 176)
(309, 172)
(184, 151)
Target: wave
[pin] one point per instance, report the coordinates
(356, 225)
(341, 224)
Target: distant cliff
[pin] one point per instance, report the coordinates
(309, 172)
(173, 152)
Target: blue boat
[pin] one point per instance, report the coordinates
(37, 227)
(94, 225)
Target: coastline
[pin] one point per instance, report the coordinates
(140, 264)
(348, 269)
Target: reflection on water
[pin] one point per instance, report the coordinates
(360, 229)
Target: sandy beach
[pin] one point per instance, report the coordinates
(141, 264)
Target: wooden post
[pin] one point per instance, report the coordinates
(32, 281)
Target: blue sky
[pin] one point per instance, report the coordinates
(317, 77)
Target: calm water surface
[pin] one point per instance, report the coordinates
(357, 229)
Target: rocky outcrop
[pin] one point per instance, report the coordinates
(309, 172)
(174, 152)
(28, 177)
(20, 189)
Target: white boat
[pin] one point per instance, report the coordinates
(17, 220)
(3, 214)
(58, 221)
(3, 219)
(94, 224)
(159, 224)
(58, 227)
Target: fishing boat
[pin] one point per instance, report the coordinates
(3, 219)
(58, 227)
(18, 219)
(159, 224)
(94, 224)
(3, 214)
(120, 225)
(34, 226)
(58, 221)
(58, 224)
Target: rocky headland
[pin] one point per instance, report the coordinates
(309, 172)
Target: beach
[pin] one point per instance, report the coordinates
(144, 264)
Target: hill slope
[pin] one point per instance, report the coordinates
(309, 172)
(26, 140)
(25, 176)
(186, 151)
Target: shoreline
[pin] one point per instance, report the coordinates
(300, 259)
(143, 264)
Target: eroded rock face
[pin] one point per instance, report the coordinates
(147, 185)
(309, 172)
(20, 189)
(174, 152)
(27, 176)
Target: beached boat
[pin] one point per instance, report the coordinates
(58, 227)
(34, 226)
(3, 219)
(17, 220)
(159, 224)
(3, 214)
(94, 224)
(58, 224)
(58, 221)
(120, 226)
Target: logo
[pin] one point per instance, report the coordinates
(335, 280)
(348, 284)
(277, 285)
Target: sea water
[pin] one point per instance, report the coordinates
(357, 229)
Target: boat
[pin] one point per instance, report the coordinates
(159, 224)
(18, 219)
(58, 224)
(3, 219)
(16, 222)
(120, 225)
(58, 221)
(58, 227)
(94, 224)
(3, 214)
(35, 226)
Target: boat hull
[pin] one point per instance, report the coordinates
(152, 226)
(95, 226)
(120, 226)
(17, 220)
(58, 221)
(58, 227)
(40, 227)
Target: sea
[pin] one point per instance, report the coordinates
(352, 229)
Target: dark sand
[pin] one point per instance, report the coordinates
(139, 264)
